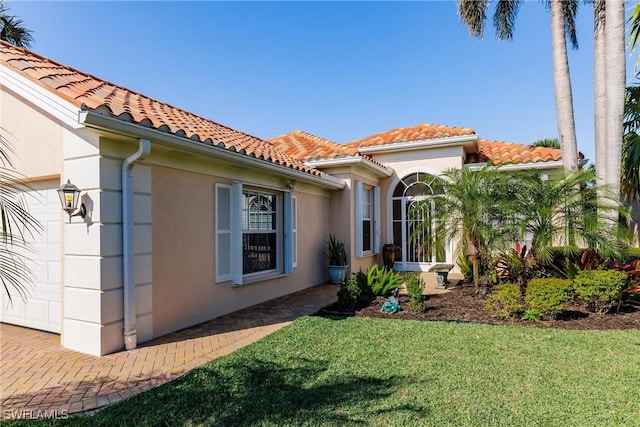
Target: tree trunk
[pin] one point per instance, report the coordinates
(562, 89)
(615, 87)
(599, 104)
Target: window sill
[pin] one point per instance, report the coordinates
(259, 279)
(367, 254)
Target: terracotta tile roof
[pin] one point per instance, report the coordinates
(91, 93)
(498, 153)
(304, 146)
(307, 147)
(421, 132)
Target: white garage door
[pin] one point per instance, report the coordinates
(42, 309)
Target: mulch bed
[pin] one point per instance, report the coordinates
(467, 304)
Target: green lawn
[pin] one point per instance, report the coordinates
(361, 371)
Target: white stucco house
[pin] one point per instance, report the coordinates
(187, 219)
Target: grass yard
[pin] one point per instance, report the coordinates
(361, 371)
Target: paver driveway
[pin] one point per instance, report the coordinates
(40, 377)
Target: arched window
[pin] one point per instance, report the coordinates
(413, 221)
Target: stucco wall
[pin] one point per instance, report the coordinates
(183, 234)
(36, 138)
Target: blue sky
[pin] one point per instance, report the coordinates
(340, 70)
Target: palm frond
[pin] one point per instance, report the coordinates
(12, 29)
(634, 31)
(570, 11)
(630, 180)
(473, 13)
(504, 18)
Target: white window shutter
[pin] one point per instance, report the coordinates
(288, 233)
(236, 232)
(376, 219)
(294, 230)
(223, 233)
(357, 189)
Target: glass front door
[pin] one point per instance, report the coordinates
(414, 227)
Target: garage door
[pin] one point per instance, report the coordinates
(42, 309)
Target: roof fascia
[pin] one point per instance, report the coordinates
(99, 121)
(350, 160)
(520, 166)
(464, 140)
(38, 95)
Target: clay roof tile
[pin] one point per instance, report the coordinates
(92, 93)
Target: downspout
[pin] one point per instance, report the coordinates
(128, 255)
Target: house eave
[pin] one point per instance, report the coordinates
(39, 95)
(555, 164)
(349, 161)
(103, 122)
(465, 140)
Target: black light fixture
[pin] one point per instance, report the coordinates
(69, 195)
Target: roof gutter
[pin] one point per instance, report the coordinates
(350, 160)
(520, 166)
(415, 145)
(111, 124)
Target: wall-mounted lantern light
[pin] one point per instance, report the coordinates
(69, 195)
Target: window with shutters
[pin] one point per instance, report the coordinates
(256, 233)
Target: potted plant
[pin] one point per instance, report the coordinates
(388, 255)
(337, 258)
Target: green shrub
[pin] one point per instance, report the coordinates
(600, 289)
(349, 292)
(382, 281)
(532, 314)
(363, 284)
(548, 296)
(415, 288)
(505, 300)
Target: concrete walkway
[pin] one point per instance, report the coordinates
(38, 377)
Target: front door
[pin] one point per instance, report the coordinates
(414, 227)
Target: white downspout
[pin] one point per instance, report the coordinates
(130, 334)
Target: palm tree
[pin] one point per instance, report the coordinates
(18, 227)
(599, 86)
(562, 209)
(12, 29)
(490, 210)
(474, 208)
(561, 15)
(615, 73)
(473, 13)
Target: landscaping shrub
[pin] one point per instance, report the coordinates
(505, 300)
(415, 288)
(548, 296)
(532, 314)
(349, 292)
(600, 289)
(382, 281)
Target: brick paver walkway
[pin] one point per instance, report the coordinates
(40, 377)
